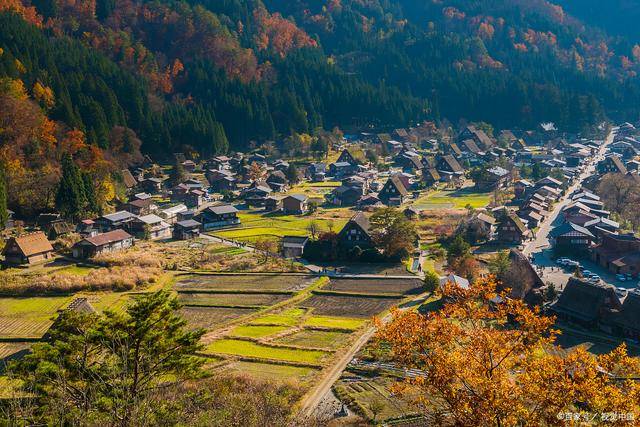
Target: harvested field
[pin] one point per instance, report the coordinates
(252, 349)
(8, 349)
(211, 317)
(351, 306)
(236, 300)
(376, 286)
(253, 331)
(272, 371)
(244, 282)
(288, 317)
(316, 339)
(333, 322)
(28, 317)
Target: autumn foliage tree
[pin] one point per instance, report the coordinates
(494, 364)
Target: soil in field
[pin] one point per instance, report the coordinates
(210, 317)
(205, 299)
(376, 286)
(330, 340)
(396, 269)
(349, 306)
(274, 372)
(9, 349)
(245, 282)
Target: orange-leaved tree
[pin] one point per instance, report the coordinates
(492, 361)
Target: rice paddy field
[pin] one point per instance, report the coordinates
(374, 286)
(28, 318)
(347, 305)
(261, 351)
(230, 299)
(212, 317)
(272, 282)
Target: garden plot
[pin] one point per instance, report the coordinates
(330, 340)
(212, 317)
(230, 299)
(276, 282)
(271, 371)
(250, 349)
(8, 349)
(28, 317)
(376, 286)
(348, 306)
(257, 331)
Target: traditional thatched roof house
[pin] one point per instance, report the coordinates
(586, 303)
(394, 192)
(356, 232)
(27, 249)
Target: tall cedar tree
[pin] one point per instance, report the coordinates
(292, 173)
(100, 368)
(177, 173)
(90, 192)
(71, 199)
(4, 214)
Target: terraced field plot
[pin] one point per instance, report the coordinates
(28, 317)
(288, 317)
(10, 348)
(376, 286)
(251, 349)
(257, 331)
(317, 339)
(448, 199)
(343, 323)
(276, 282)
(211, 317)
(349, 306)
(272, 371)
(231, 299)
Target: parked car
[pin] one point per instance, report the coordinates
(587, 273)
(621, 277)
(595, 278)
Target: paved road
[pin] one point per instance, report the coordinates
(317, 394)
(541, 241)
(540, 247)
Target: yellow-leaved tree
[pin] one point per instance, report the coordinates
(492, 361)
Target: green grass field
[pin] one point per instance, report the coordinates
(449, 199)
(288, 317)
(257, 331)
(334, 322)
(258, 224)
(251, 349)
(28, 317)
(330, 340)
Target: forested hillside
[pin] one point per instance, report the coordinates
(207, 75)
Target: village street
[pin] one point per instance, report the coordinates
(539, 249)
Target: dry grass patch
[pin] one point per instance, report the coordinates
(212, 317)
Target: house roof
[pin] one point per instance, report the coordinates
(106, 238)
(461, 282)
(397, 183)
(295, 240)
(629, 315)
(189, 223)
(298, 197)
(119, 216)
(453, 163)
(33, 243)
(362, 221)
(222, 209)
(585, 300)
(128, 178)
(570, 227)
(150, 219)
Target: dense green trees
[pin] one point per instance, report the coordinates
(71, 198)
(97, 369)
